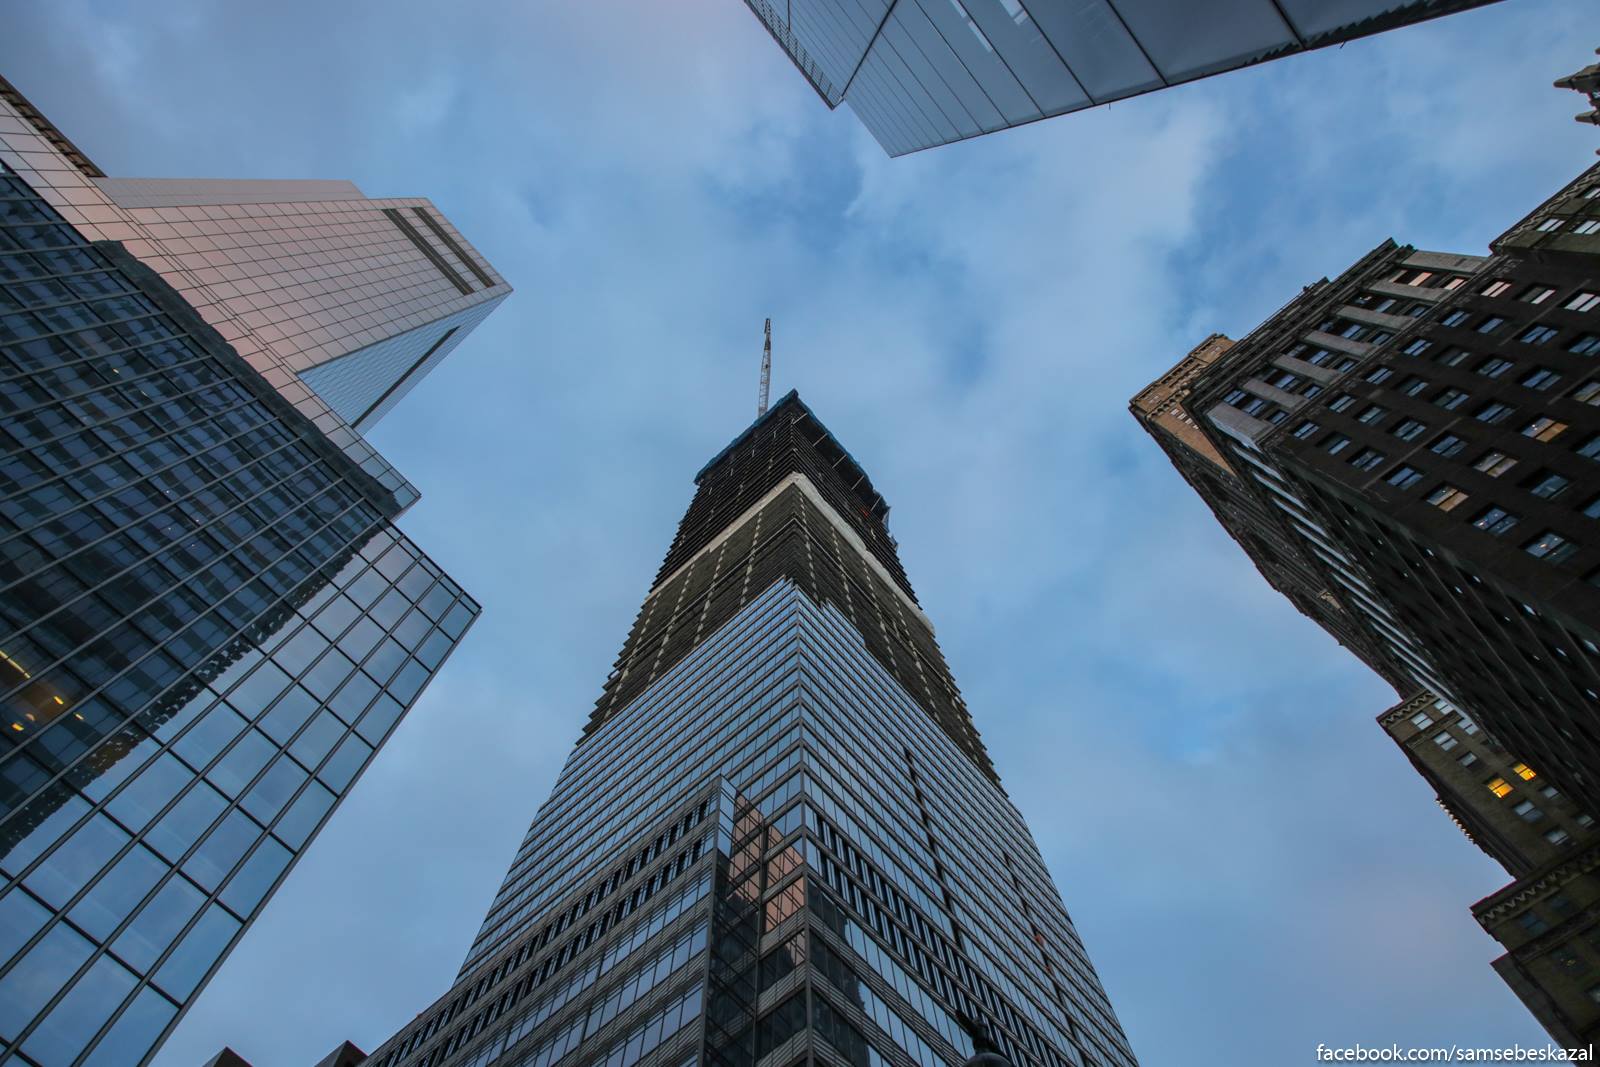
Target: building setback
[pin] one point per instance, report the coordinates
(1549, 917)
(920, 73)
(779, 838)
(1415, 454)
(208, 620)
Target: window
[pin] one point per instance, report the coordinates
(1558, 836)
(1540, 378)
(1380, 337)
(1450, 399)
(1286, 380)
(1446, 497)
(1494, 411)
(1590, 449)
(1587, 226)
(1592, 508)
(1525, 772)
(1453, 356)
(1353, 331)
(1532, 923)
(1490, 324)
(1498, 287)
(1236, 397)
(1495, 520)
(1372, 414)
(1583, 301)
(1455, 318)
(1277, 415)
(1378, 375)
(1591, 192)
(1345, 364)
(1335, 443)
(1544, 428)
(1550, 547)
(1319, 357)
(1366, 459)
(1416, 311)
(1404, 477)
(1454, 283)
(1585, 344)
(1468, 759)
(1254, 406)
(1413, 385)
(1445, 740)
(1341, 402)
(1538, 335)
(1537, 293)
(1467, 726)
(1494, 463)
(1498, 786)
(1305, 429)
(1528, 811)
(1588, 393)
(1447, 445)
(1409, 429)
(1554, 222)
(1495, 366)
(1417, 346)
(1311, 390)
(1547, 484)
(1422, 720)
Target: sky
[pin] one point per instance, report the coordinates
(1254, 867)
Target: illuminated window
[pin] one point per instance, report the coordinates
(1446, 497)
(1499, 786)
(1498, 287)
(1544, 428)
(1583, 302)
(1525, 772)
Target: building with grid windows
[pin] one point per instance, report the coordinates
(208, 620)
(1548, 919)
(920, 73)
(779, 838)
(1414, 451)
(1424, 428)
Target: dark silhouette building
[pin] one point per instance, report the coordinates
(1424, 430)
(1411, 453)
(208, 619)
(920, 73)
(779, 838)
(1548, 919)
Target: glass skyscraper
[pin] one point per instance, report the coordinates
(921, 73)
(779, 839)
(208, 620)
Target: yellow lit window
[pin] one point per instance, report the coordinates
(1499, 786)
(1525, 772)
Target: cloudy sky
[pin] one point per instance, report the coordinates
(1253, 865)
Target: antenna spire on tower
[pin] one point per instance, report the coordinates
(766, 373)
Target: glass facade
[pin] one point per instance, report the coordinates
(819, 858)
(208, 624)
(921, 73)
(363, 386)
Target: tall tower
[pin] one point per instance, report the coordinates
(779, 837)
(208, 620)
(920, 73)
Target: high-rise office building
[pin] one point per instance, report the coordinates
(1424, 430)
(779, 838)
(1548, 919)
(1411, 453)
(920, 73)
(208, 621)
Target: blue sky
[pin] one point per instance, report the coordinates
(1253, 866)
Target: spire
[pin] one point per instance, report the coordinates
(766, 373)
